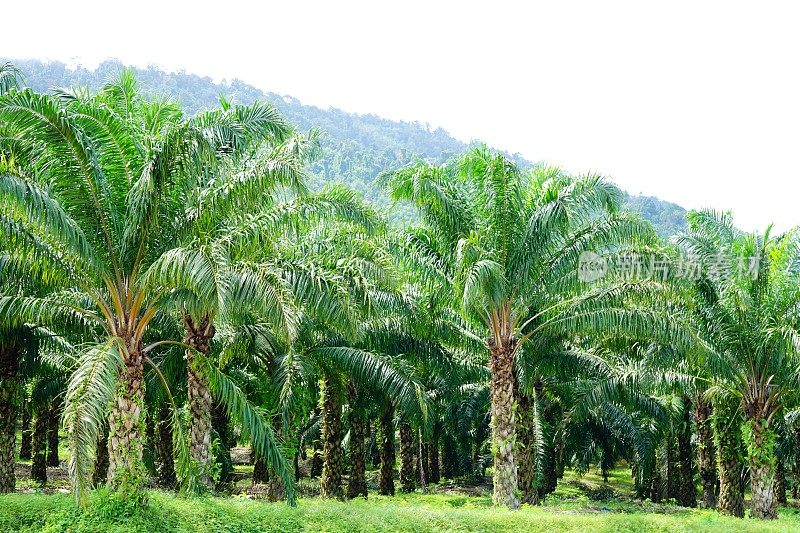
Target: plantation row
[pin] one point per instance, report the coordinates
(171, 289)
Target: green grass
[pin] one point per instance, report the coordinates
(414, 512)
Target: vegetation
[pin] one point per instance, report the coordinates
(408, 512)
(181, 308)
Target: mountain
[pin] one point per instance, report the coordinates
(356, 148)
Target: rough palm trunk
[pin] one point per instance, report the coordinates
(686, 491)
(260, 470)
(276, 490)
(477, 468)
(449, 458)
(9, 387)
(27, 431)
(762, 469)
(357, 485)
(262, 473)
(39, 447)
(54, 419)
(332, 442)
(549, 474)
(657, 481)
(220, 422)
(422, 462)
(387, 451)
(165, 462)
(433, 456)
(501, 368)
(671, 472)
(100, 472)
(407, 482)
(198, 335)
(375, 444)
(796, 486)
(558, 450)
(780, 482)
(727, 436)
(526, 450)
(316, 459)
(706, 455)
(126, 425)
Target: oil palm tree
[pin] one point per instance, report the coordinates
(507, 245)
(751, 310)
(92, 200)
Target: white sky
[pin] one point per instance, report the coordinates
(694, 102)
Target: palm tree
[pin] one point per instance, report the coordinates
(506, 244)
(208, 279)
(95, 185)
(750, 307)
(10, 78)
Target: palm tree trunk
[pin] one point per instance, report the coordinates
(126, 425)
(39, 447)
(449, 459)
(549, 474)
(260, 470)
(199, 336)
(526, 450)
(671, 457)
(780, 482)
(796, 486)
(558, 450)
(706, 455)
(165, 462)
(27, 431)
(316, 448)
(220, 422)
(332, 442)
(101, 460)
(276, 490)
(762, 469)
(316, 459)
(407, 483)
(433, 455)
(357, 486)
(686, 492)
(54, 420)
(375, 443)
(727, 433)
(501, 368)
(657, 480)
(9, 388)
(422, 460)
(387, 451)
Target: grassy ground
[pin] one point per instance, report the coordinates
(580, 503)
(415, 512)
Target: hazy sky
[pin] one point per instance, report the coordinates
(694, 102)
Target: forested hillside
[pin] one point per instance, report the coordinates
(356, 148)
